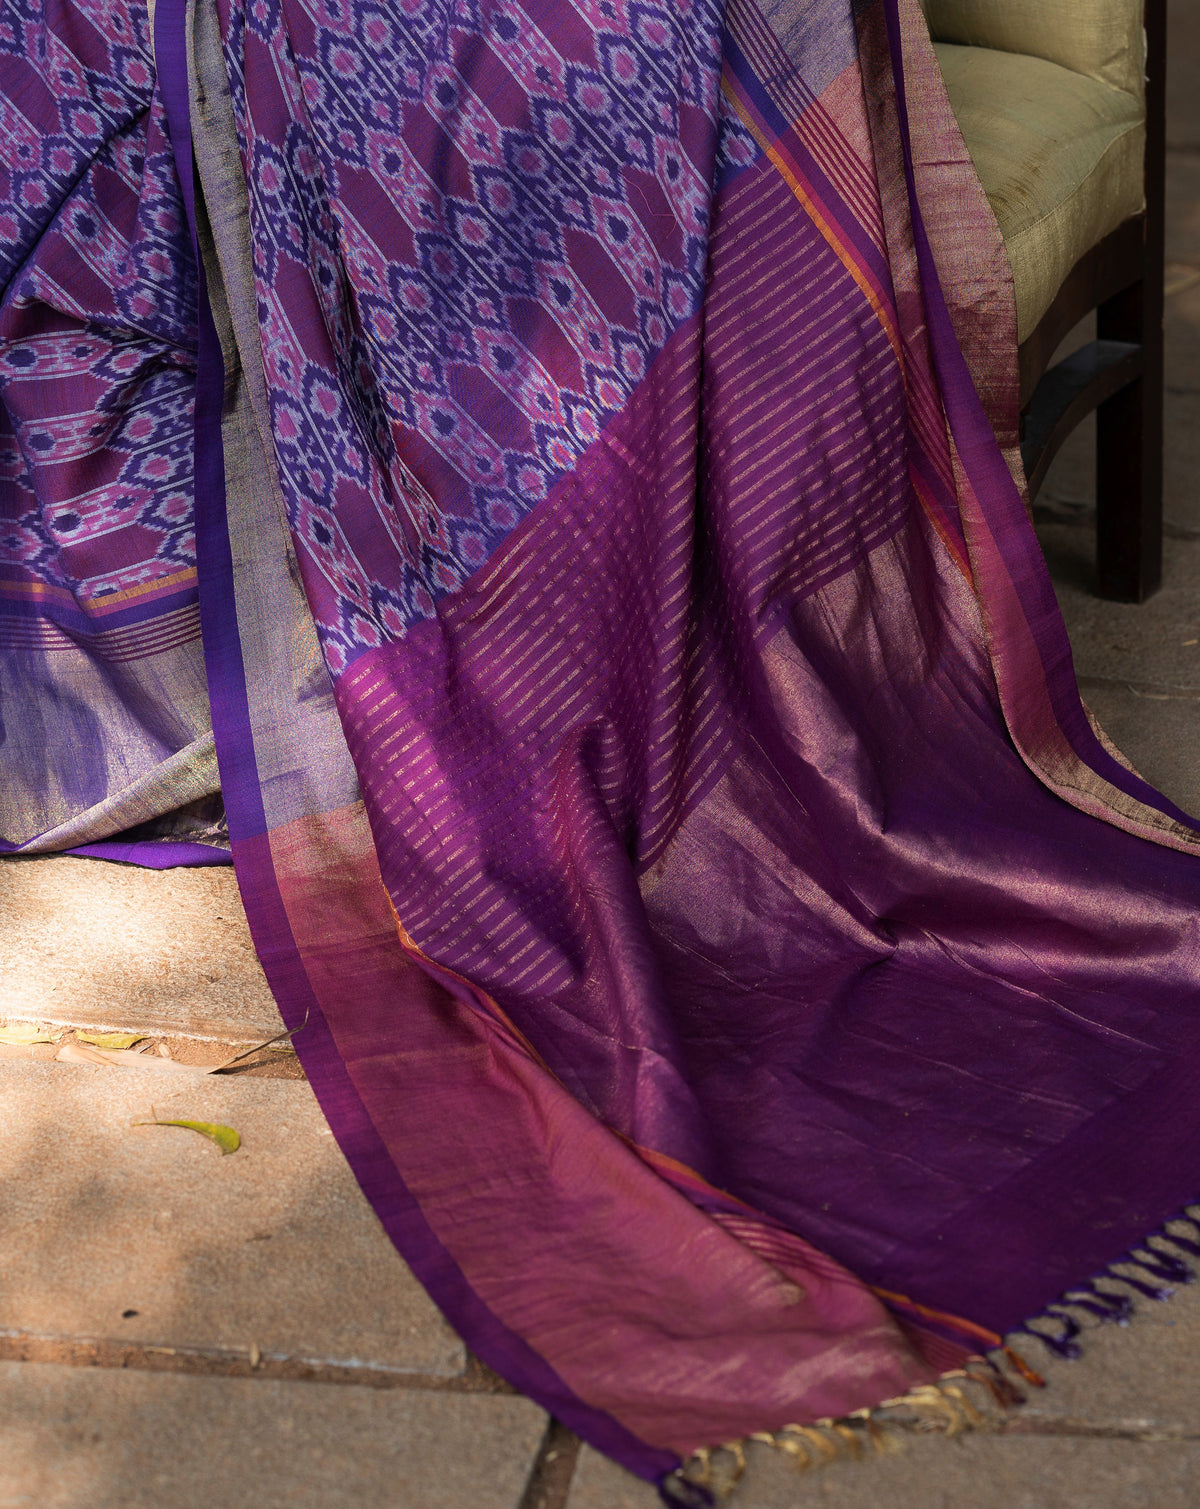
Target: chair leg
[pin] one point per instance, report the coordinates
(1129, 439)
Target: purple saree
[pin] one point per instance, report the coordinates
(739, 974)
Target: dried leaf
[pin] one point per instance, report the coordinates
(24, 1034)
(110, 1039)
(271, 1042)
(80, 1053)
(225, 1137)
(125, 1058)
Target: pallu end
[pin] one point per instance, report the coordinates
(1150, 1269)
(678, 1490)
(982, 1394)
(977, 1396)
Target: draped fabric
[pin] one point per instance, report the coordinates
(102, 686)
(739, 973)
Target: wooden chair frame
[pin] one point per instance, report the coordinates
(1120, 373)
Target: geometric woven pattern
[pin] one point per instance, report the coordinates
(97, 319)
(443, 352)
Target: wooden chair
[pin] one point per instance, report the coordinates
(1063, 112)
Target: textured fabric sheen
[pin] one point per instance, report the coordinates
(736, 972)
(1059, 156)
(103, 705)
(1101, 39)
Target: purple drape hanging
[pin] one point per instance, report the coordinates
(737, 973)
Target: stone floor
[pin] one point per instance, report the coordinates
(185, 1330)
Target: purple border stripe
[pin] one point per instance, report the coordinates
(832, 198)
(977, 445)
(69, 616)
(166, 855)
(271, 929)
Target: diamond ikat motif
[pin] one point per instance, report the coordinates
(529, 226)
(97, 312)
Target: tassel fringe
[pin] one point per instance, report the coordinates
(978, 1396)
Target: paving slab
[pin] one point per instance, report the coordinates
(1183, 73)
(1138, 664)
(984, 1472)
(1155, 643)
(1159, 735)
(601, 1484)
(1183, 206)
(88, 943)
(1181, 454)
(1070, 482)
(1134, 1378)
(1181, 360)
(1070, 485)
(1116, 1427)
(99, 1438)
(151, 1236)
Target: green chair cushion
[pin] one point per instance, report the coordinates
(1059, 155)
(1099, 38)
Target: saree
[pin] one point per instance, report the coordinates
(549, 466)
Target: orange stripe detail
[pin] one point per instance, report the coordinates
(652, 1157)
(955, 1322)
(415, 951)
(822, 223)
(104, 603)
(934, 514)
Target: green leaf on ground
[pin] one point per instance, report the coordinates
(22, 1034)
(110, 1039)
(225, 1137)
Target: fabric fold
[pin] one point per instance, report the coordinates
(738, 974)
